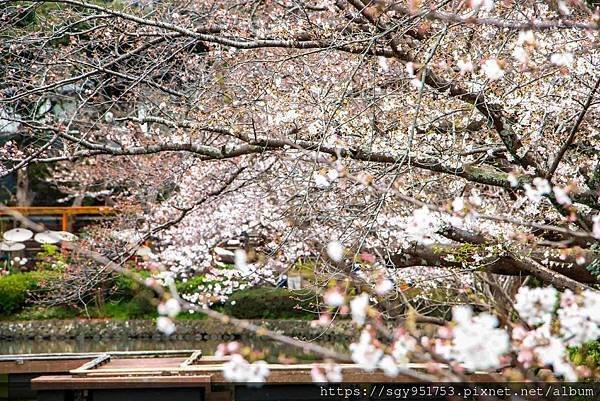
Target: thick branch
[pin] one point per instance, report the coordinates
(561, 273)
(470, 19)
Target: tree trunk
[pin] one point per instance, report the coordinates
(24, 197)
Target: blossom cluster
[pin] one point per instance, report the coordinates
(555, 323)
(239, 370)
(474, 340)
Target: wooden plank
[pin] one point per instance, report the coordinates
(87, 383)
(54, 363)
(65, 222)
(278, 373)
(215, 377)
(191, 360)
(168, 372)
(20, 358)
(147, 363)
(172, 365)
(134, 366)
(95, 363)
(211, 360)
(92, 355)
(304, 377)
(40, 366)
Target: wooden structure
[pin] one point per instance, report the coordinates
(17, 372)
(167, 375)
(42, 363)
(63, 212)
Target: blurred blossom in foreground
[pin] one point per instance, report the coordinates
(365, 353)
(238, 370)
(328, 373)
(335, 250)
(170, 308)
(477, 343)
(165, 325)
(359, 306)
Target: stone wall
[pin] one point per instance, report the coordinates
(186, 329)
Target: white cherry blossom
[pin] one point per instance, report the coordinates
(536, 305)
(165, 325)
(358, 307)
(365, 354)
(171, 308)
(335, 250)
(492, 69)
(238, 370)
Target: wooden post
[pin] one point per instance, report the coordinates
(65, 222)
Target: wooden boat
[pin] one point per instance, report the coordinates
(161, 376)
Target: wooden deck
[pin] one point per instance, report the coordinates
(185, 377)
(62, 382)
(171, 371)
(63, 363)
(186, 369)
(164, 375)
(42, 363)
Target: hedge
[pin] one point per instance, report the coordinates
(270, 303)
(125, 287)
(130, 300)
(16, 289)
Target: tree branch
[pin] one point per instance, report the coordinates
(561, 273)
(561, 153)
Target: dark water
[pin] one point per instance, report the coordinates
(272, 351)
(90, 345)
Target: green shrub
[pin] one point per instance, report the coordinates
(128, 299)
(588, 354)
(50, 258)
(270, 303)
(16, 289)
(131, 300)
(185, 315)
(46, 313)
(136, 308)
(126, 288)
(190, 286)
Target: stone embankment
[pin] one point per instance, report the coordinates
(140, 329)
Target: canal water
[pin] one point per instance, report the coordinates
(272, 350)
(14, 347)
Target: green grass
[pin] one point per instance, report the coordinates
(44, 313)
(119, 310)
(125, 310)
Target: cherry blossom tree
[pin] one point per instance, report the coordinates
(449, 145)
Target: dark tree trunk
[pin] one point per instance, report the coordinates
(24, 195)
